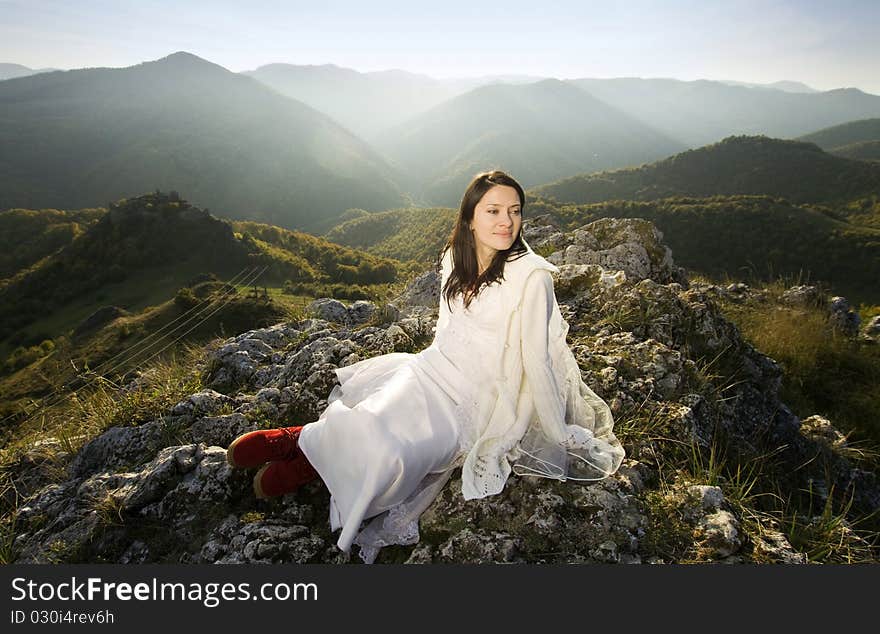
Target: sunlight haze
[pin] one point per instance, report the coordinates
(823, 45)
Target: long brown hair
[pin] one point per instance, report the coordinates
(465, 267)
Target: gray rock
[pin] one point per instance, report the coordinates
(423, 291)
(361, 312)
(541, 233)
(472, 547)
(157, 478)
(201, 404)
(872, 329)
(719, 533)
(774, 546)
(843, 318)
(220, 430)
(118, 447)
(267, 542)
(710, 498)
(802, 295)
(820, 429)
(329, 310)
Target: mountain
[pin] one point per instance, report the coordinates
(756, 165)
(365, 103)
(543, 131)
(854, 139)
(862, 151)
(11, 71)
(370, 103)
(699, 112)
(85, 137)
(785, 86)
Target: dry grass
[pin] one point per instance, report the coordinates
(82, 415)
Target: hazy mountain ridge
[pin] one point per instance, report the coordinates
(854, 139)
(543, 130)
(369, 103)
(81, 138)
(365, 103)
(783, 85)
(11, 71)
(700, 112)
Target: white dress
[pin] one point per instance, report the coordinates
(399, 424)
(395, 429)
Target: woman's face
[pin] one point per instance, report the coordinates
(496, 222)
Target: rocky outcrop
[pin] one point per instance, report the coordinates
(677, 375)
(333, 310)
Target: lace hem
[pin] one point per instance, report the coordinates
(399, 525)
(396, 528)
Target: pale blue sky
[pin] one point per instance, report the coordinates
(823, 44)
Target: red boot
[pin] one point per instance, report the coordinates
(283, 476)
(257, 447)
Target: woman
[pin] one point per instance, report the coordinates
(498, 385)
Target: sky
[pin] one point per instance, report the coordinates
(823, 44)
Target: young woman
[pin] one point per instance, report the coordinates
(497, 390)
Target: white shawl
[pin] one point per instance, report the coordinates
(539, 413)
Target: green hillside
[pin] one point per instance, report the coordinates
(116, 347)
(27, 236)
(142, 250)
(82, 138)
(411, 234)
(153, 275)
(844, 134)
(863, 151)
(301, 257)
(751, 238)
(740, 165)
(742, 237)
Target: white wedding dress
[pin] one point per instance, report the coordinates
(399, 424)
